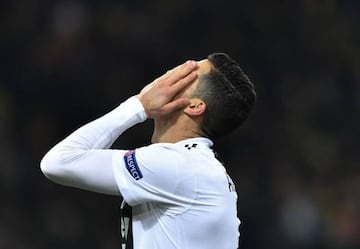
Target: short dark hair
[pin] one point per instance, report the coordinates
(229, 96)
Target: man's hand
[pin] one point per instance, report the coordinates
(158, 97)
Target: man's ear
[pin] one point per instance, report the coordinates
(196, 107)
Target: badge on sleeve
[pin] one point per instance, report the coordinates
(132, 166)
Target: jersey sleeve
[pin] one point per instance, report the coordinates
(83, 159)
(154, 173)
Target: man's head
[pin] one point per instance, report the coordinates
(227, 92)
(208, 98)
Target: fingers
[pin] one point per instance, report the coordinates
(180, 77)
(177, 73)
(182, 71)
(160, 97)
(182, 83)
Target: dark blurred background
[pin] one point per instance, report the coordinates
(295, 162)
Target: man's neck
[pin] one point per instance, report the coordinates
(172, 131)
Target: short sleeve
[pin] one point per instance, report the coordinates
(155, 173)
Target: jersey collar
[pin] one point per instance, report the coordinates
(200, 141)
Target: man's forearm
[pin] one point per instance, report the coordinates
(79, 160)
(102, 132)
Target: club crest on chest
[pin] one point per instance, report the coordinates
(190, 146)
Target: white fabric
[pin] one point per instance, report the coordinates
(83, 159)
(181, 195)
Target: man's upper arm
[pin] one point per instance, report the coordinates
(150, 174)
(86, 169)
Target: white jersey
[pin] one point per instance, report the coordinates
(181, 195)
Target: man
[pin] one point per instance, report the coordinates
(180, 194)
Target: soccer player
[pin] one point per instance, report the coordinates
(176, 194)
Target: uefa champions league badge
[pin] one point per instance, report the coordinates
(132, 166)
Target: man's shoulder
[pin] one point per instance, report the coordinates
(185, 145)
(167, 147)
(163, 153)
(183, 153)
